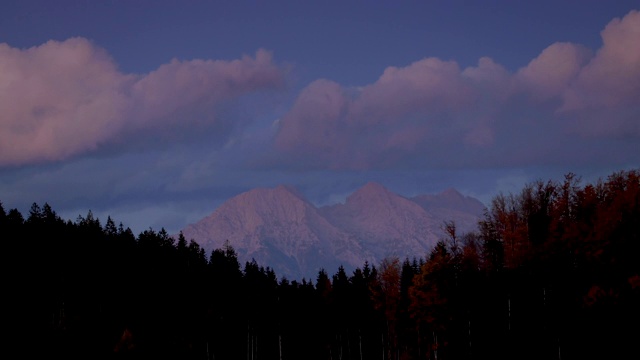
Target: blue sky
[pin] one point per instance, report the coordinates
(155, 112)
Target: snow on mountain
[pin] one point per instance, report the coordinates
(279, 228)
(385, 223)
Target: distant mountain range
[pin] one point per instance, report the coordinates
(281, 229)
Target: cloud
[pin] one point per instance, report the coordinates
(612, 77)
(549, 75)
(181, 83)
(406, 112)
(313, 125)
(489, 77)
(337, 126)
(67, 98)
(432, 113)
(424, 87)
(605, 96)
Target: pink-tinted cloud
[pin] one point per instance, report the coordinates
(180, 83)
(426, 86)
(549, 75)
(337, 126)
(62, 99)
(57, 99)
(315, 126)
(399, 114)
(492, 85)
(605, 97)
(432, 112)
(490, 78)
(612, 77)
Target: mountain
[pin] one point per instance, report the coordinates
(278, 228)
(281, 229)
(451, 205)
(385, 223)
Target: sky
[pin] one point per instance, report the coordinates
(156, 112)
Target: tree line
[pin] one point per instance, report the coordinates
(552, 272)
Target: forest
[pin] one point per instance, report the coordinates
(552, 272)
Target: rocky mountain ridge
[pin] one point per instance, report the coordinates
(281, 229)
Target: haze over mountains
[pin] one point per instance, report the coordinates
(281, 229)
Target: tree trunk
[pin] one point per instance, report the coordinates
(360, 342)
(509, 312)
(435, 346)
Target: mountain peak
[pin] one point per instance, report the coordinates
(451, 199)
(451, 193)
(373, 186)
(369, 190)
(279, 193)
(289, 189)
